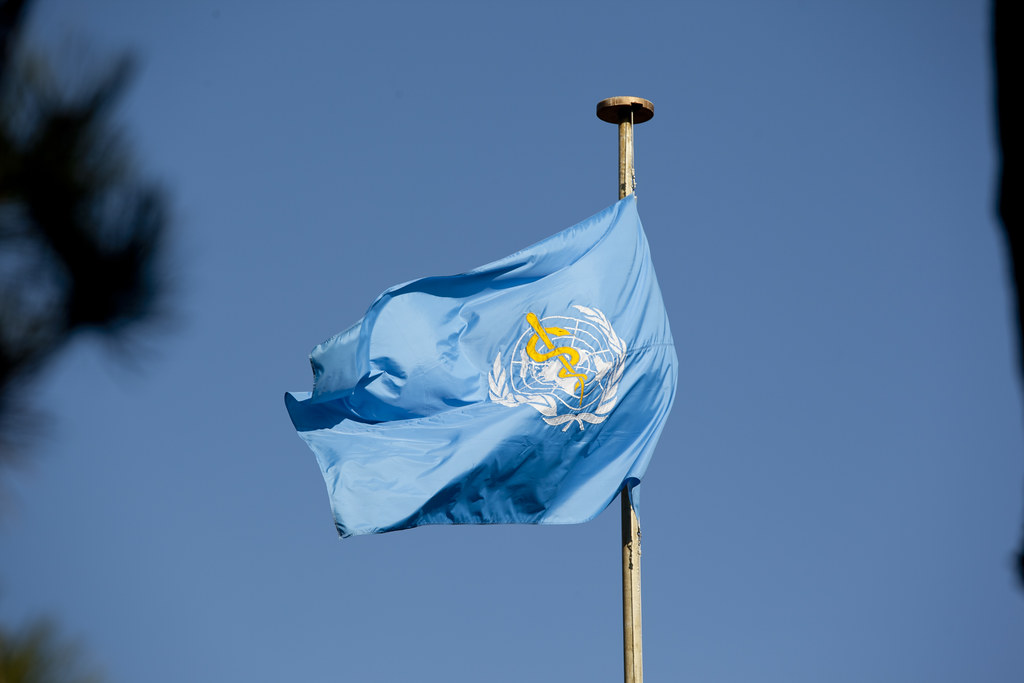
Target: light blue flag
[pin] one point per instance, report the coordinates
(529, 390)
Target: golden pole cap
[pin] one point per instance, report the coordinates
(616, 109)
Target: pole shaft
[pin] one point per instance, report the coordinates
(633, 656)
(632, 641)
(625, 156)
(625, 112)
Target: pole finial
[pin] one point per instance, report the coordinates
(616, 109)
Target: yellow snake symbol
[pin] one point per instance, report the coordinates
(566, 354)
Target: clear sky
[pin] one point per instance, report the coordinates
(837, 495)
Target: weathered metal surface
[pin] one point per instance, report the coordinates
(626, 112)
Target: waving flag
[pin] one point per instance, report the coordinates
(529, 390)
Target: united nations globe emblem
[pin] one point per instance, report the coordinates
(567, 368)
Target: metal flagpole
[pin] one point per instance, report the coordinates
(626, 112)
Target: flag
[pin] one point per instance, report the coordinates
(529, 390)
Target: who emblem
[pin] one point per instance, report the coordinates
(567, 368)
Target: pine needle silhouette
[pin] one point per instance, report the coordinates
(80, 235)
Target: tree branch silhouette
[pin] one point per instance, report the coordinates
(1007, 52)
(81, 236)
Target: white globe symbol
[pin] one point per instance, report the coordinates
(531, 378)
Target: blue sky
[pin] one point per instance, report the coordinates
(838, 492)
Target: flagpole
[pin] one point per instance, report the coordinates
(626, 112)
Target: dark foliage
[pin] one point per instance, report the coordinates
(1008, 55)
(37, 654)
(80, 235)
